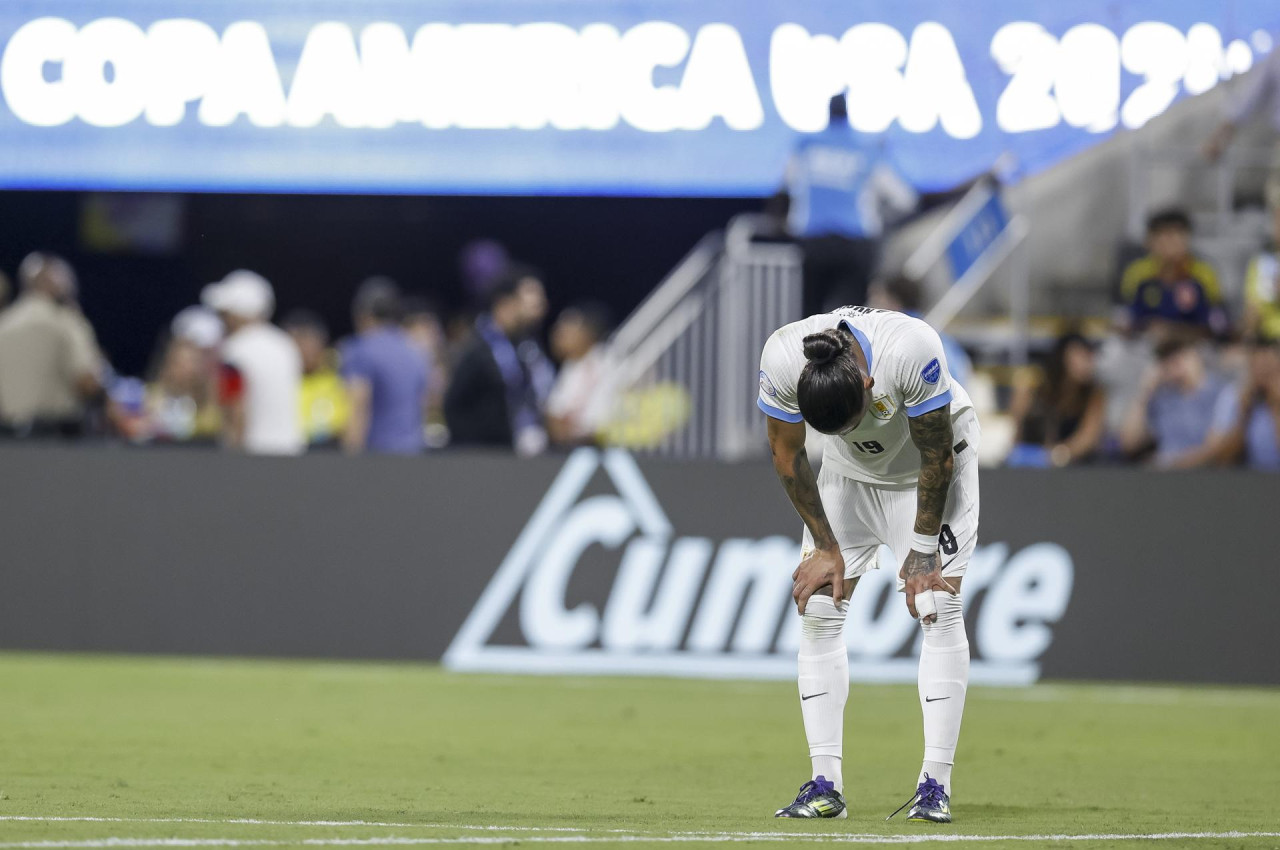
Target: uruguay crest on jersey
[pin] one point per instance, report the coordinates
(882, 407)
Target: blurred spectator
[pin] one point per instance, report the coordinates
(492, 399)
(1262, 290)
(199, 326)
(421, 321)
(482, 263)
(1246, 423)
(1174, 411)
(1061, 421)
(582, 398)
(840, 187)
(1170, 286)
(5, 289)
(1261, 88)
(49, 359)
(1123, 363)
(180, 404)
(385, 374)
(533, 305)
(902, 294)
(322, 397)
(261, 369)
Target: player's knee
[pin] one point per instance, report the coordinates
(948, 629)
(823, 618)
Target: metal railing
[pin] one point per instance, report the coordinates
(686, 358)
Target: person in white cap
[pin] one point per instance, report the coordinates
(261, 370)
(199, 326)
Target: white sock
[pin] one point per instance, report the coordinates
(823, 666)
(944, 678)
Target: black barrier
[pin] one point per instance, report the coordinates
(600, 563)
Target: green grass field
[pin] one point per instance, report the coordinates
(135, 752)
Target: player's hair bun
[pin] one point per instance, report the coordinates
(823, 347)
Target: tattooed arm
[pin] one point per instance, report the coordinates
(931, 433)
(825, 565)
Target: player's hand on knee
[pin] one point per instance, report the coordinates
(922, 575)
(819, 569)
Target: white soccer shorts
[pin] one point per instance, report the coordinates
(864, 516)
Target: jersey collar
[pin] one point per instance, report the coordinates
(863, 342)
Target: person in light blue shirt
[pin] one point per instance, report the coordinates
(1174, 411)
(841, 189)
(1246, 420)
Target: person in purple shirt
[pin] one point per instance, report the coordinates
(1247, 419)
(386, 376)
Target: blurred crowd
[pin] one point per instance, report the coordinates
(1178, 383)
(227, 373)
(1184, 379)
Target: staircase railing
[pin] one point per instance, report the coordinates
(686, 359)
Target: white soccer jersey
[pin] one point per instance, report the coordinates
(905, 357)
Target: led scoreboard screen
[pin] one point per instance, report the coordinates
(663, 97)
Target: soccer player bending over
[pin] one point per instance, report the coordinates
(899, 467)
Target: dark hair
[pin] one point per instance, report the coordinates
(413, 306)
(518, 272)
(1263, 341)
(1055, 385)
(1174, 218)
(906, 291)
(594, 316)
(503, 288)
(1172, 345)
(830, 392)
(305, 320)
(379, 298)
(838, 109)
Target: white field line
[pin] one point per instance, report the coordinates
(259, 822)
(854, 838)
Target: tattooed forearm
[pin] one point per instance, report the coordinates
(932, 435)
(796, 475)
(802, 487)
